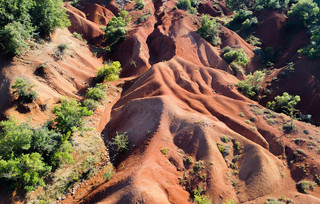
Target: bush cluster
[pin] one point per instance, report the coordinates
(243, 22)
(109, 72)
(252, 86)
(210, 30)
(190, 5)
(139, 4)
(284, 104)
(116, 30)
(23, 20)
(94, 96)
(27, 154)
(24, 90)
(235, 55)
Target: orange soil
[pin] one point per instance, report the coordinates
(181, 96)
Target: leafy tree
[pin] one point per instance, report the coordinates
(116, 29)
(69, 116)
(96, 93)
(235, 55)
(91, 104)
(184, 4)
(20, 19)
(14, 138)
(284, 103)
(139, 4)
(239, 4)
(23, 89)
(47, 15)
(13, 38)
(252, 86)
(109, 72)
(26, 171)
(210, 30)
(242, 22)
(45, 141)
(313, 50)
(303, 14)
(62, 155)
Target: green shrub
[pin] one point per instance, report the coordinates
(69, 116)
(143, 17)
(303, 14)
(96, 93)
(18, 20)
(91, 104)
(78, 36)
(235, 55)
(26, 171)
(121, 141)
(14, 138)
(108, 174)
(202, 199)
(165, 150)
(252, 86)
(184, 4)
(305, 186)
(13, 38)
(23, 89)
(62, 155)
(109, 72)
(116, 30)
(210, 30)
(139, 4)
(284, 103)
(313, 50)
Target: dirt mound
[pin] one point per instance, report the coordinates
(181, 106)
(53, 75)
(271, 28)
(89, 30)
(214, 9)
(96, 13)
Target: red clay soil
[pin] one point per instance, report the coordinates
(96, 13)
(187, 108)
(89, 30)
(181, 97)
(53, 78)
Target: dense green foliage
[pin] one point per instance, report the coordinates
(69, 116)
(190, 5)
(210, 30)
(109, 72)
(96, 93)
(139, 4)
(24, 90)
(313, 50)
(28, 154)
(116, 29)
(257, 4)
(121, 142)
(252, 86)
(303, 14)
(235, 55)
(22, 19)
(284, 104)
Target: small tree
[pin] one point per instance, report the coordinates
(109, 72)
(252, 86)
(210, 30)
(121, 141)
(285, 104)
(24, 90)
(303, 14)
(116, 30)
(139, 4)
(235, 55)
(69, 116)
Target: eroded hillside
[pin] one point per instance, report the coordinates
(193, 135)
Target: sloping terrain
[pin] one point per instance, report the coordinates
(189, 128)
